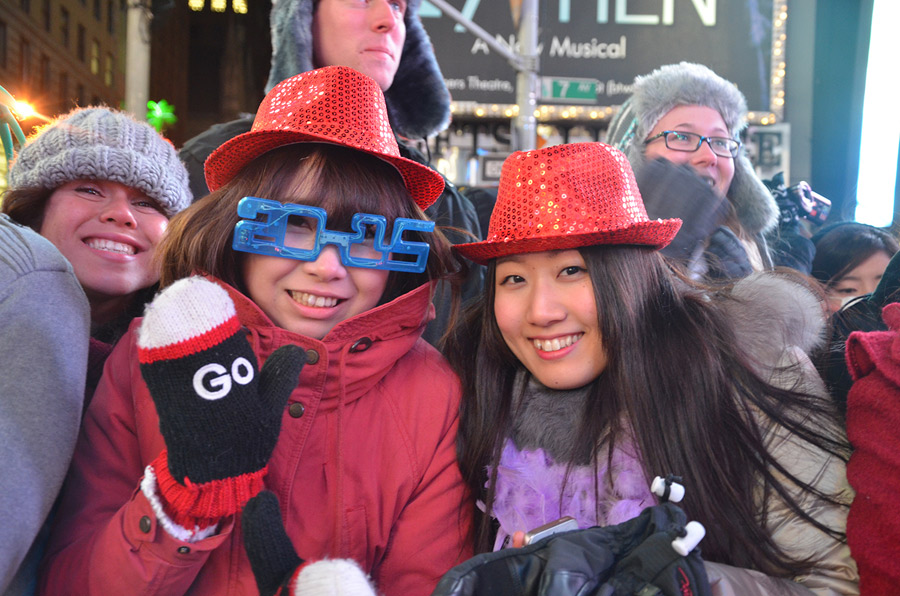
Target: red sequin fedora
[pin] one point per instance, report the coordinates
(567, 196)
(335, 104)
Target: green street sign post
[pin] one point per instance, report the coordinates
(569, 90)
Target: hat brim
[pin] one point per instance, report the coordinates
(655, 233)
(424, 184)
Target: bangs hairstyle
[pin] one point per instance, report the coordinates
(340, 180)
(844, 246)
(680, 380)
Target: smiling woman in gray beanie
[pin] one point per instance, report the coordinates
(101, 186)
(687, 114)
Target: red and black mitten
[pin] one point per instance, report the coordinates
(219, 415)
(277, 568)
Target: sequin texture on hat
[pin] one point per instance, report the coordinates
(335, 105)
(567, 196)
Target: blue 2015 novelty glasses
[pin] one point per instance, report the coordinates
(298, 232)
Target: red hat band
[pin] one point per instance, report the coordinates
(567, 196)
(335, 104)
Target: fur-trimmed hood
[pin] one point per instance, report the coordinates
(418, 100)
(682, 84)
(775, 312)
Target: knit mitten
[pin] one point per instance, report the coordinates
(727, 256)
(672, 190)
(278, 569)
(219, 415)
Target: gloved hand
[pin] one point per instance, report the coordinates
(220, 417)
(654, 567)
(727, 256)
(613, 560)
(277, 568)
(671, 190)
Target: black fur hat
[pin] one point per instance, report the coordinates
(418, 101)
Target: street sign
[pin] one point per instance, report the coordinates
(569, 90)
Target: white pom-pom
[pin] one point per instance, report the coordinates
(332, 577)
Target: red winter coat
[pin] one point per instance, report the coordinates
(365, 468)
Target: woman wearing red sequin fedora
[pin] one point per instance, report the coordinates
(312, 248)
(597, 368)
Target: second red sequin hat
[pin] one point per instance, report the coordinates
(567, 196)
(335, 104)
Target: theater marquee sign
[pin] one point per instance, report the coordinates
(591, 50)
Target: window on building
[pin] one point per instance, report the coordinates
(108, 70)
(111, 16)
(64, 25)
(97, 11)
(24, 61)
(80, 43)
(45, 14)
(3, 55)
(63, 88)
(25, 5)
(95, 57)
(45, 73)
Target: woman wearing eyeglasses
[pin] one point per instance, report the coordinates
(687, 114)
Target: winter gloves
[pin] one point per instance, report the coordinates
(672, 190)
(634, 557)
(220, 416)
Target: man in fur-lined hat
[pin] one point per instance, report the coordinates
(687, 114)
(385, 40)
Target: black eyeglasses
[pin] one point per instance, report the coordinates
(690, 142)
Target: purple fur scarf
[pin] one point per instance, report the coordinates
(530, 490)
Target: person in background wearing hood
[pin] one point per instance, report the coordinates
(383, 39)
(101, 187)
(687, 114)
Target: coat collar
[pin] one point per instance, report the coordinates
(356, 353)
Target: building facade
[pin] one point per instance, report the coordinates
(58, 54)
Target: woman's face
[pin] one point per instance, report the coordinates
(108, 232)
(545, 308)
(717, 171)
(311, 297)
(859, 281)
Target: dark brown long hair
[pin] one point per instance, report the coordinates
(26, 205)
(677, 375)
(342, 181)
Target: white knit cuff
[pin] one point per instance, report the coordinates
(149, 488)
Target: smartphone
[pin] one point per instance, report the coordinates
(563, 524)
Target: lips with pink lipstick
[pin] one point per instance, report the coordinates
(112, 246)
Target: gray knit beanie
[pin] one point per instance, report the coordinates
(683, 84)
(100, 143)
